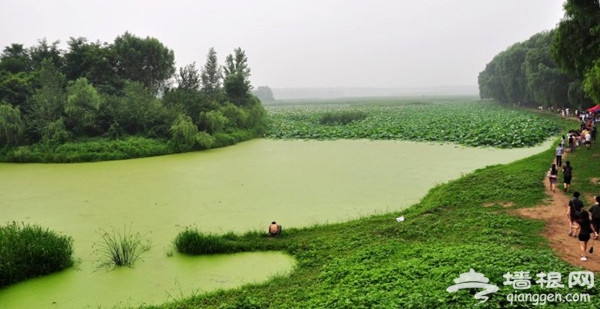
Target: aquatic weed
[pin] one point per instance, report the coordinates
(121, 248)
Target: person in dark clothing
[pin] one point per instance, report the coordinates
(585, 231)
(567, 175)
(595, 212)
(574, 211)
(571, 142)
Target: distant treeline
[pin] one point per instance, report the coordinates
(559, 68)
(127, 89)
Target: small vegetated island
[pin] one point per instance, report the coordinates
(99, 101)
(75, 105)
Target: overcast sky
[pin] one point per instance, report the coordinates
(303, 43)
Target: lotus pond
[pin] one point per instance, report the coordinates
(462, 121)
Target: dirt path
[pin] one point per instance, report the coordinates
(557, 227)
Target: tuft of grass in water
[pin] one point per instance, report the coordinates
(28, 251)
(121, 248)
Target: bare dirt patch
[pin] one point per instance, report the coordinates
(503, 204)
(554, 213)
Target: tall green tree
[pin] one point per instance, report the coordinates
(44, 51)
(15, 75)
(212, 74)
(264, 93)
(591, 82)
(525, 73)
(188, 78)
(146, 61)
(139, 112)
(547, 84)
(82, 106)
(96, 62)
(187, 97)
(47, 103)
(237, 78)
(576, 44)
(15, 59)
(15, 88)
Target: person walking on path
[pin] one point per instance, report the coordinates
(553, 177)
(595, 212)
(571, 141)
(588, 138)
(567, 175)
(586, 229)
(574, 211)
(559, 153)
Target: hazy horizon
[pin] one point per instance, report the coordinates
(294, 93)
(303, 44)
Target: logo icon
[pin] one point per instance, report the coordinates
(474, 280)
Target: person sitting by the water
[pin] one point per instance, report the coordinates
(274, 229)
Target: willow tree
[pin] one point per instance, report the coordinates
(576, 46)
(11, 125)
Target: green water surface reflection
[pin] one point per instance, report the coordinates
(238, 188)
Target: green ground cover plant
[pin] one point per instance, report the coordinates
(28, 251)
(377, 262)
(456, 120)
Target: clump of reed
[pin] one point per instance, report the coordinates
(28, 251)
(121, 248)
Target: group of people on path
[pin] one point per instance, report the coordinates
(583, 223)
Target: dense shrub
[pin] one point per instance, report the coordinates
(204, 140)
(28, 251)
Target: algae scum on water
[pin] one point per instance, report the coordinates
(238, 188)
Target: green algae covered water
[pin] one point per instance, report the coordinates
(238, 188)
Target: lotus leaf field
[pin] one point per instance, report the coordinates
(468, 122)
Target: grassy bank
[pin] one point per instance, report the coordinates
(377, 262)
